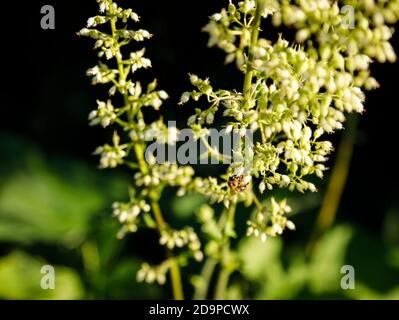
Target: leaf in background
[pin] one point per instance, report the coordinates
(327, 260)
(20, 278)
(184, 207)
(377, 272)
(39, 203)
(257, 255)
(262, 265)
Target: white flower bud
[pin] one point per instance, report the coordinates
(216, 17)
(185, 97)
(263, 237)
(302, 35)
(290, 225)
(262, 187)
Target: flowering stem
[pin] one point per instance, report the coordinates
(224, 275)
(139, 152)
(214, 152)
(254, 40)
(161, 224)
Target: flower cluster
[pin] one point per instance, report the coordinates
(165, 174)
(128, 214)
(104, 114)
(362, 31)
(112, 155)
(293, 94)
(132, 134)
(181, 238)
(270, 221)
(150, 274)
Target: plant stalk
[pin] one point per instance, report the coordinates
(254, 40)
(201, 291)
(336, 184)
(175, 275)
(224, 275)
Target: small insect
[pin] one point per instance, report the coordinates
(238, 183)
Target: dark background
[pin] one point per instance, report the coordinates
(46, 96)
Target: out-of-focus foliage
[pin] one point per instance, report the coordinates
(278, 275)
(20, 278)
(37, 204)
(59, 209)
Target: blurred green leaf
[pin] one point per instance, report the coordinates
(329, 257)
(256, 256)
(20, 278)
(41, 202)
(377, 272)
(376, 267)
(184, 207)
(262, 263)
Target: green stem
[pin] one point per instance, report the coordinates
(254, 40)
(91, 257)
(222, 284)
(175, 275)
(175, 278)
(336, 184)
(139, 152)
(224, 275)
(257, 202)
(201, 291)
